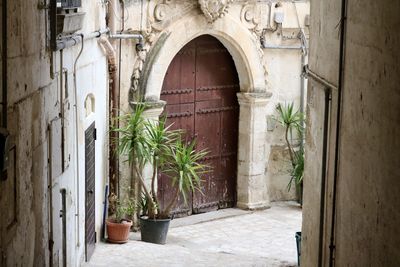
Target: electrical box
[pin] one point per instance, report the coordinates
(65, 19)
(69, 21)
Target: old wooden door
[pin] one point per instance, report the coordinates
(90, 179)
(200, 90)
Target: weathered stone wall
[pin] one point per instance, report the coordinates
(168, 26)
(368, 186)
(367, 200)
(30, 198)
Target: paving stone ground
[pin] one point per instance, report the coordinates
(229, 237)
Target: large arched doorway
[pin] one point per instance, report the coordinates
(200, 90)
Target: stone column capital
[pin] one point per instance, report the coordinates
(153, 109)
(254, 99)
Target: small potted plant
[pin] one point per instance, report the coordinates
(118, 226)
(149, 142)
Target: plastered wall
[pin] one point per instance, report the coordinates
(30, 198)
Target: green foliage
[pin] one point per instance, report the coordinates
(289, 118)
(298, 169)
(143, 205)
(293, 120)
(184, 167)
(146, 141)
(159, 140)
(125, 209)
(131, 140)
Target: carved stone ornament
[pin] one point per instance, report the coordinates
(214, 9)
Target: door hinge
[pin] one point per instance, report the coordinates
(95, 237)
(95, 133)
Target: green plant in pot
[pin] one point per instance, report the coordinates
(293, 120)
(148, 142)
(118, 226)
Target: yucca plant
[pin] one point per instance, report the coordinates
(297, 173)
(150, 142)
(292, 120)
(184, 169)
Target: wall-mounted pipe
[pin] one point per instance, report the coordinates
(77, 180)
(284, 47)
(63, 215)
(75, 39)
(328, 98)
(113, 107)
(50, 193)
(304, 54)
(126, 36)
(342, 50)
(130, 36)
(309, 73)
(4, 64)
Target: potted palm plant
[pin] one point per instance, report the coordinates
(148, 142)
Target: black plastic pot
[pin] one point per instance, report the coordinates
(154, 231)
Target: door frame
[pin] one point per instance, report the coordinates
(90, 136)
(253, 152)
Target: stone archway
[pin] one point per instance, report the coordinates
(252, 191)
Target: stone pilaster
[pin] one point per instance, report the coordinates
(252, 191)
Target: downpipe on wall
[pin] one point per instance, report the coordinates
(113, 104)
(4, 134)
(4, 66)
(342, 51)
(118, 34)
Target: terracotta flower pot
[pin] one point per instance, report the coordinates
(118, 232)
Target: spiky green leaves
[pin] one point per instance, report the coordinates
(184, 166)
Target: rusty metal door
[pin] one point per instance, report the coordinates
(200, 90)
(90, 183)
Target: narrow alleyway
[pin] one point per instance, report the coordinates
(242, 238)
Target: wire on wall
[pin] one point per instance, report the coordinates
(77, 139)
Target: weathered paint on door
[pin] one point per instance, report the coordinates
(90, 179)
(200, 90)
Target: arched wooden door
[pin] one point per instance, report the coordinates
(200, 90)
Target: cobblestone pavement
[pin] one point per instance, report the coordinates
(259, 238)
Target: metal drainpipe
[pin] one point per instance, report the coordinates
(304, 53)
(343, 29)
(116, 100)
(113, 104)
(77, 180)
(50, 194)
(63, 215)
(4, 66)
(328, 99)
(75, 39)
(287, 47)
